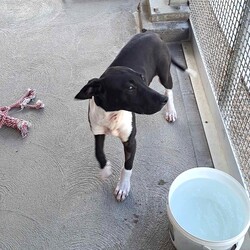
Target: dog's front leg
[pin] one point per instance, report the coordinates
(100, 156)
(123, 185)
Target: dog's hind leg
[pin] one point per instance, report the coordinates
(167, 82)
(171, 114)
(100, 156)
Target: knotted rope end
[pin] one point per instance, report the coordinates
(16, 123)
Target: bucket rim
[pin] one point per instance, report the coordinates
(201, 241)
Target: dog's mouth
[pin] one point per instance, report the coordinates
(157, 107)
(150, 111)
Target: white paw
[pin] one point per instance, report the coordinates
(123, 185)
(171, 115)
(106, 171)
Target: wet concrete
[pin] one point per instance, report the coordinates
(50, 193)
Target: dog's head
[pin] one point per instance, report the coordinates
(121, 88)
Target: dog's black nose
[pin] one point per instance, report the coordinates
(165, 100)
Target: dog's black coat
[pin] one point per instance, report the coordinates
(124, 86)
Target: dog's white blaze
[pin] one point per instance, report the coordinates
(118, 123)
(123, 185)
(171, 114)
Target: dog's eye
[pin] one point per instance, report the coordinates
(131, 87)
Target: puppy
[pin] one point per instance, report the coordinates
(123, 90)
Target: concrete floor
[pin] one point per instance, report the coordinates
(50, 193)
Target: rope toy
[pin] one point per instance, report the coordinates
(22, 103)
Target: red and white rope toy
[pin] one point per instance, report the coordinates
(22, 103)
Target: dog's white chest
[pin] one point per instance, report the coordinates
(118, 123)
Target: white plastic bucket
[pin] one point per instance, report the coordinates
(207, 209)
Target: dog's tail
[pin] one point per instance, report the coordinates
(191, 72)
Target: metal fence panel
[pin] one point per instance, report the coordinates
(222, 28)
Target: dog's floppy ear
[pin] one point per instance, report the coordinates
(92, 88)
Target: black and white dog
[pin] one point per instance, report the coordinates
(123, 90)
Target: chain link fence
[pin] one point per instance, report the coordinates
(222, 30)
